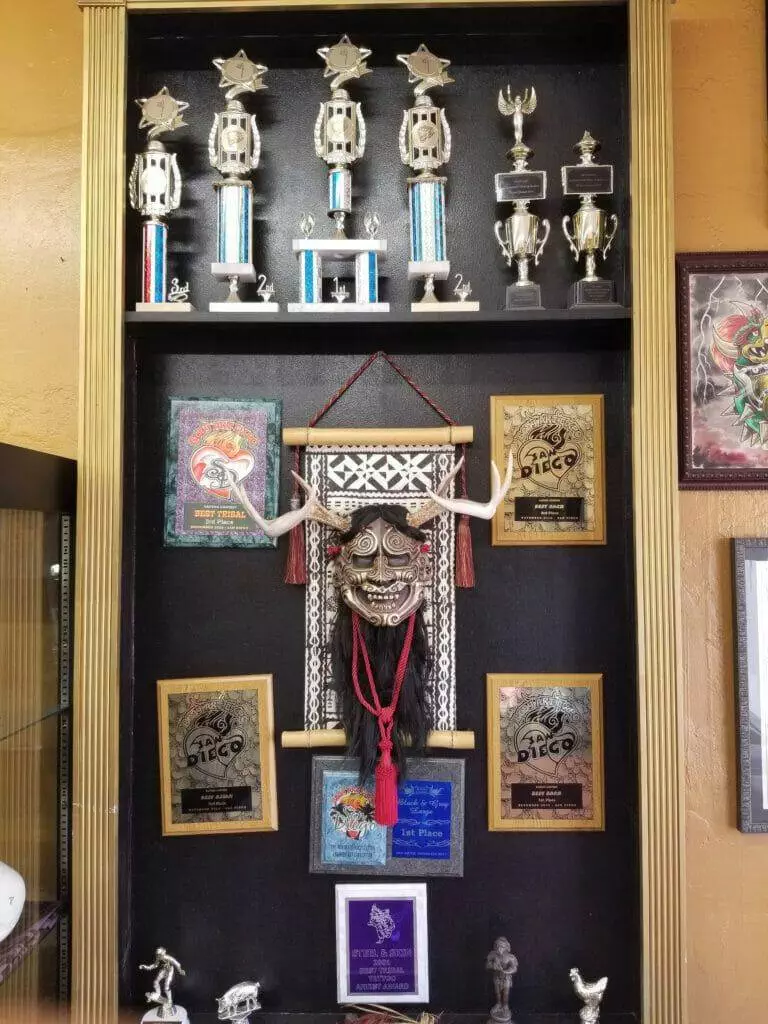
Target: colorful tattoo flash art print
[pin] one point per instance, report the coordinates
(545, 752)
(723, 348)
(557, 495)
(222, 457)
(381, 943)
(428, 838)
(217, 754)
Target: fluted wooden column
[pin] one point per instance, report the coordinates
(95, 760)
(654, 425)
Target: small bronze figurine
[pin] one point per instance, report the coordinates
(590, 993)
(166, 966)
(503, 962)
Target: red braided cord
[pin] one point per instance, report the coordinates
(383, 715)
(409, 381)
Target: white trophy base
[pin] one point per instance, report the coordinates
(243, 271)
(338, 307)
(179, 1016)
(164, 307)
(445, 307)
(244, 307)
(341, 248)
(439, 269)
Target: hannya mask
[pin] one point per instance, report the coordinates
(381, 569)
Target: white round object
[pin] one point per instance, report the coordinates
(12, 894)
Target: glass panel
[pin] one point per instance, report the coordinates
(29, 842)
(30, 574)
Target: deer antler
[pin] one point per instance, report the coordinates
(311, 509)
(432, 508)
(477, 509)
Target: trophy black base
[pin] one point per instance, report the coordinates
(524, 296)
(591, 293)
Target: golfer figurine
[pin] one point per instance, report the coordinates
(166, 967)
(503, 963)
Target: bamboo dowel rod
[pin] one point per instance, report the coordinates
(311, 738)
(377, 435)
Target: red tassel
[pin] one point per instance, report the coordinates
(296, 563)
(465, 563)
(385, 794)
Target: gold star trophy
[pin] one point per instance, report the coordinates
(234, 149)
(425, 145)
(154, 189)
(340, 141)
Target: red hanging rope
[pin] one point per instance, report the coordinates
(295, 571)
(386, 773)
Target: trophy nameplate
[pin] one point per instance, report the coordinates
(594, 179)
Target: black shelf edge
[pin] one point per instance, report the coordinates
(517, 317)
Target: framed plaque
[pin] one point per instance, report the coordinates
(427, 840)
(382, 954)
(217, 755)
(558, 491)
(750, 568)
(722, 340)
(545, 752)
(223, 455)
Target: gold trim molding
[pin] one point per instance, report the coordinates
(95, 784)
(654, 468)
(99, 520)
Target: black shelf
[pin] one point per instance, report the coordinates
(517, 317)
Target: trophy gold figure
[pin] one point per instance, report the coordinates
(518, 234)
(590, 231)
(425, 145)
(339, 137)
(234, 149)
(154, 190)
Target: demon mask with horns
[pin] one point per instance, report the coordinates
(381, 655)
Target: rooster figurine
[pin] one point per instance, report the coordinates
(590, 993)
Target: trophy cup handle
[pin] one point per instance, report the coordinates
(611, 234)
(502, 244)
(540, 245)
(570, 239)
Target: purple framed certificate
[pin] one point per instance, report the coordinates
(382, 951)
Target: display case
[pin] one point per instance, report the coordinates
(37, 497)
(245, 905)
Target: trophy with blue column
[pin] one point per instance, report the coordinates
(234, 149)
(154, 190)
(339, 138)
(425, 145)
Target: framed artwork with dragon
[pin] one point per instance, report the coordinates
(722, 318)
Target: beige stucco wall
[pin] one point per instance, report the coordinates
(40, 84)
(721, 186)
(722, 202)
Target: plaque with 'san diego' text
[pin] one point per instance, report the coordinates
(558, 489)
(545, 752)
(217, 757)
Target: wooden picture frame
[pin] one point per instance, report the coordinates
(558, 489)
(750, 583)
(722, 326)
(217, 735)
(556, 720)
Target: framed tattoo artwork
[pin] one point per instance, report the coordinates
(750, 569)
(558, 491)
(382, 953)
(217, 755)
(223, 459)
(722, 339)
(427, 840)
(545, 752)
